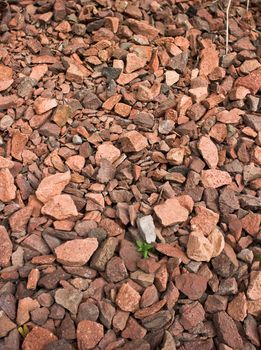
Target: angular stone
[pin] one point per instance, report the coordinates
(128, 298)
(7, 186)
(107, 151)
(6, 163)
(8, 305)
(25, 306)
(62, 115)
(133, 330)
(69, 299)
(133, 141)
(20, 218)
(116, 270)
(199, 247)
(143, 28)
(88, 311)
(251, 223)
(39, 71)
(61, 344)
(76, 163)
(19, 141)
(107, 312)
(237, 308)
(106, 171)
(171, 77)
(254, 287)
(91, 101)
(9, 101)
(226, 263)
(77, 72)
(52, 185)
(147, 228)
(122, 109)
(82, 250)
(192, 315)
(191, 284)
(38, 339)
(252, 81)
(6, 247)
(104, 254)
(227, 331)
(172, 251)
(134, 62)
(217, 240)
(171, 212)
(89, 334)
(6, 325)
(60, 207)
(205, 220)
(213, 178)
(209, 58)
(216, 303)
(158, 320)
(208, 151)
(42, 105)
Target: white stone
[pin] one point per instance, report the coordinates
(147, 228)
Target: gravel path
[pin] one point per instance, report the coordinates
(130, 175)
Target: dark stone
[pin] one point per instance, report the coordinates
(8, 305)
(51, 280)
(111, 73)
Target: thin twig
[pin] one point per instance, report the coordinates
(248, 1)
(227, 24)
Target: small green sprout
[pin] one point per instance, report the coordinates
(144, 248)
(259, 257)
(23, 330)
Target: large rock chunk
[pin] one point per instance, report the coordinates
(6, 247)
(199, 247)
(227, 331)
(52, 185)
(76, 252)
(60, 207)
(213, 178)
(143, 28)
(133, 141)
(107, 151)
(7, 187)
(209, 58)
(147, 228)
(42, 105)
(104, 254)
(6, 325)
(69, 299)
(205, 220)
(38, 339)
(254, 288)
(208, 151)
(128, 298)
(171, 212)
(89, 334)
(192, 285)
(251, 81)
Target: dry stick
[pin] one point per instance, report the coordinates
(248, 1)
(227, 24)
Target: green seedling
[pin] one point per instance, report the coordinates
(259, 257)
(144, 248)
(23, 330)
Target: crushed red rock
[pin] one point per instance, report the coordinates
(127, 121)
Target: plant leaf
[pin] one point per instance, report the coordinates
(26, 330)
(139, 244)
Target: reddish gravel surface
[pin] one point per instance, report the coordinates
(124, 120)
